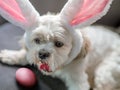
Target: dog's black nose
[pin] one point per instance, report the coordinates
(44, 55)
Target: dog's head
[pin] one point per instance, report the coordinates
(49, 45)
(51, 40)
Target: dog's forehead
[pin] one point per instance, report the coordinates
(51, 23)
(52, 20)
(50, 26)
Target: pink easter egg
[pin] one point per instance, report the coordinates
(25, 77)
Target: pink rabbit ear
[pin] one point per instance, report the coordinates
(19, 12)
(11, 8)
(89, 12)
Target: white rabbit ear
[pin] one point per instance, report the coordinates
(84, 12)
(20, 13)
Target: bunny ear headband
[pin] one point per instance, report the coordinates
(75, 12)
(20, 13)
(84, 12)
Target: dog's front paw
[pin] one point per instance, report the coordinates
(8, 57)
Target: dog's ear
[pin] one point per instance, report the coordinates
(86, 47)
(84, 12)
(20, 13)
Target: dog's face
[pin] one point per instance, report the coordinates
(48, 45)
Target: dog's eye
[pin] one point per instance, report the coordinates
(58, 44)
(37, 40)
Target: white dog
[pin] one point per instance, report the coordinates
(84, 57)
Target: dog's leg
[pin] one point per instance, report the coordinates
(13, 57)
(107, 76)
(77, 82)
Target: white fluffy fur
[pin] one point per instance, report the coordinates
(89, 58)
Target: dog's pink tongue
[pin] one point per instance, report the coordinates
(45, 67)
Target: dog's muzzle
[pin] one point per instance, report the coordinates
(43, 56)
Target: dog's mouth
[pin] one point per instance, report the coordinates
(44, 67)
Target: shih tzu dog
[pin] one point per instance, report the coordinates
(64, 45)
